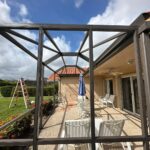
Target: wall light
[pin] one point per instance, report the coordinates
(130, 61)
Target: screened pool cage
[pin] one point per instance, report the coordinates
(139, 33)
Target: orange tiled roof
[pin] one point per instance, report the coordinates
(68, 70)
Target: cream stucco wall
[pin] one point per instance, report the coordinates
(69, 87)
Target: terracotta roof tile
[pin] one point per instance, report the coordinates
(68, 70)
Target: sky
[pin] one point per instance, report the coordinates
(15, 64)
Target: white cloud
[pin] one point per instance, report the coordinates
(78, 3)
(23, 10)
(118, 12)
(5, 13)
(14, 63)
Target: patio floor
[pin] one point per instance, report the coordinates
(54, 125)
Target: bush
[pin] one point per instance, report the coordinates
(31, 91)
(47, 107)
(6, 91)
(47, 91)
(7, 83)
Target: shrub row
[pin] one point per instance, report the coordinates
(7, 91)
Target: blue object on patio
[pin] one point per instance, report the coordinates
(82, 90)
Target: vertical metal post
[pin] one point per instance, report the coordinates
(141, 91)
(146, 69)
(38, 91)
(59, 87)
(54, 91)
(91, 76)
(42, 88)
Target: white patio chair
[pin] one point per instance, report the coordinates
(110, 100)
(112, 128)
(77, 128)
(104, 99)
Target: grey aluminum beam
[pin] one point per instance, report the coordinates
(141, 91)
(84, 57)
(69, 54)
(146, 69)
(101, 139)
(15, 142)
(144, 27)
(84, 40)
(51, 39)
(15, 42)
(54, 96)
(52, 59)
(108, 28)
(48, 141)
(28, 39)
(38, 91)
(91, 76)
(41, 110)
(106, 40)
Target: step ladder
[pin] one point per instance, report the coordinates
(21, 88)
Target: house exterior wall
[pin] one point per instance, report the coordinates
(117, 90)
(68, 87)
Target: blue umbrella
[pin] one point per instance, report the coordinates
(82, 90)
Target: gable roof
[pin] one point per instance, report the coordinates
(65, 71)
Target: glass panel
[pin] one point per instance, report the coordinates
(82, 63)
(136, 98)
(67, 40)
(111, 86)
(56, 64)
(70, 60)
(127, 96)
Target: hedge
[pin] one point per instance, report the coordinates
(7, 91)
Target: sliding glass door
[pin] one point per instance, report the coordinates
(109, 86)
(127, 96)
(130, 94)
(136, 98)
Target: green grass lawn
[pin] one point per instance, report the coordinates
(6, 112)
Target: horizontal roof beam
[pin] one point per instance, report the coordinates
(69, 54)
(109, 28)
